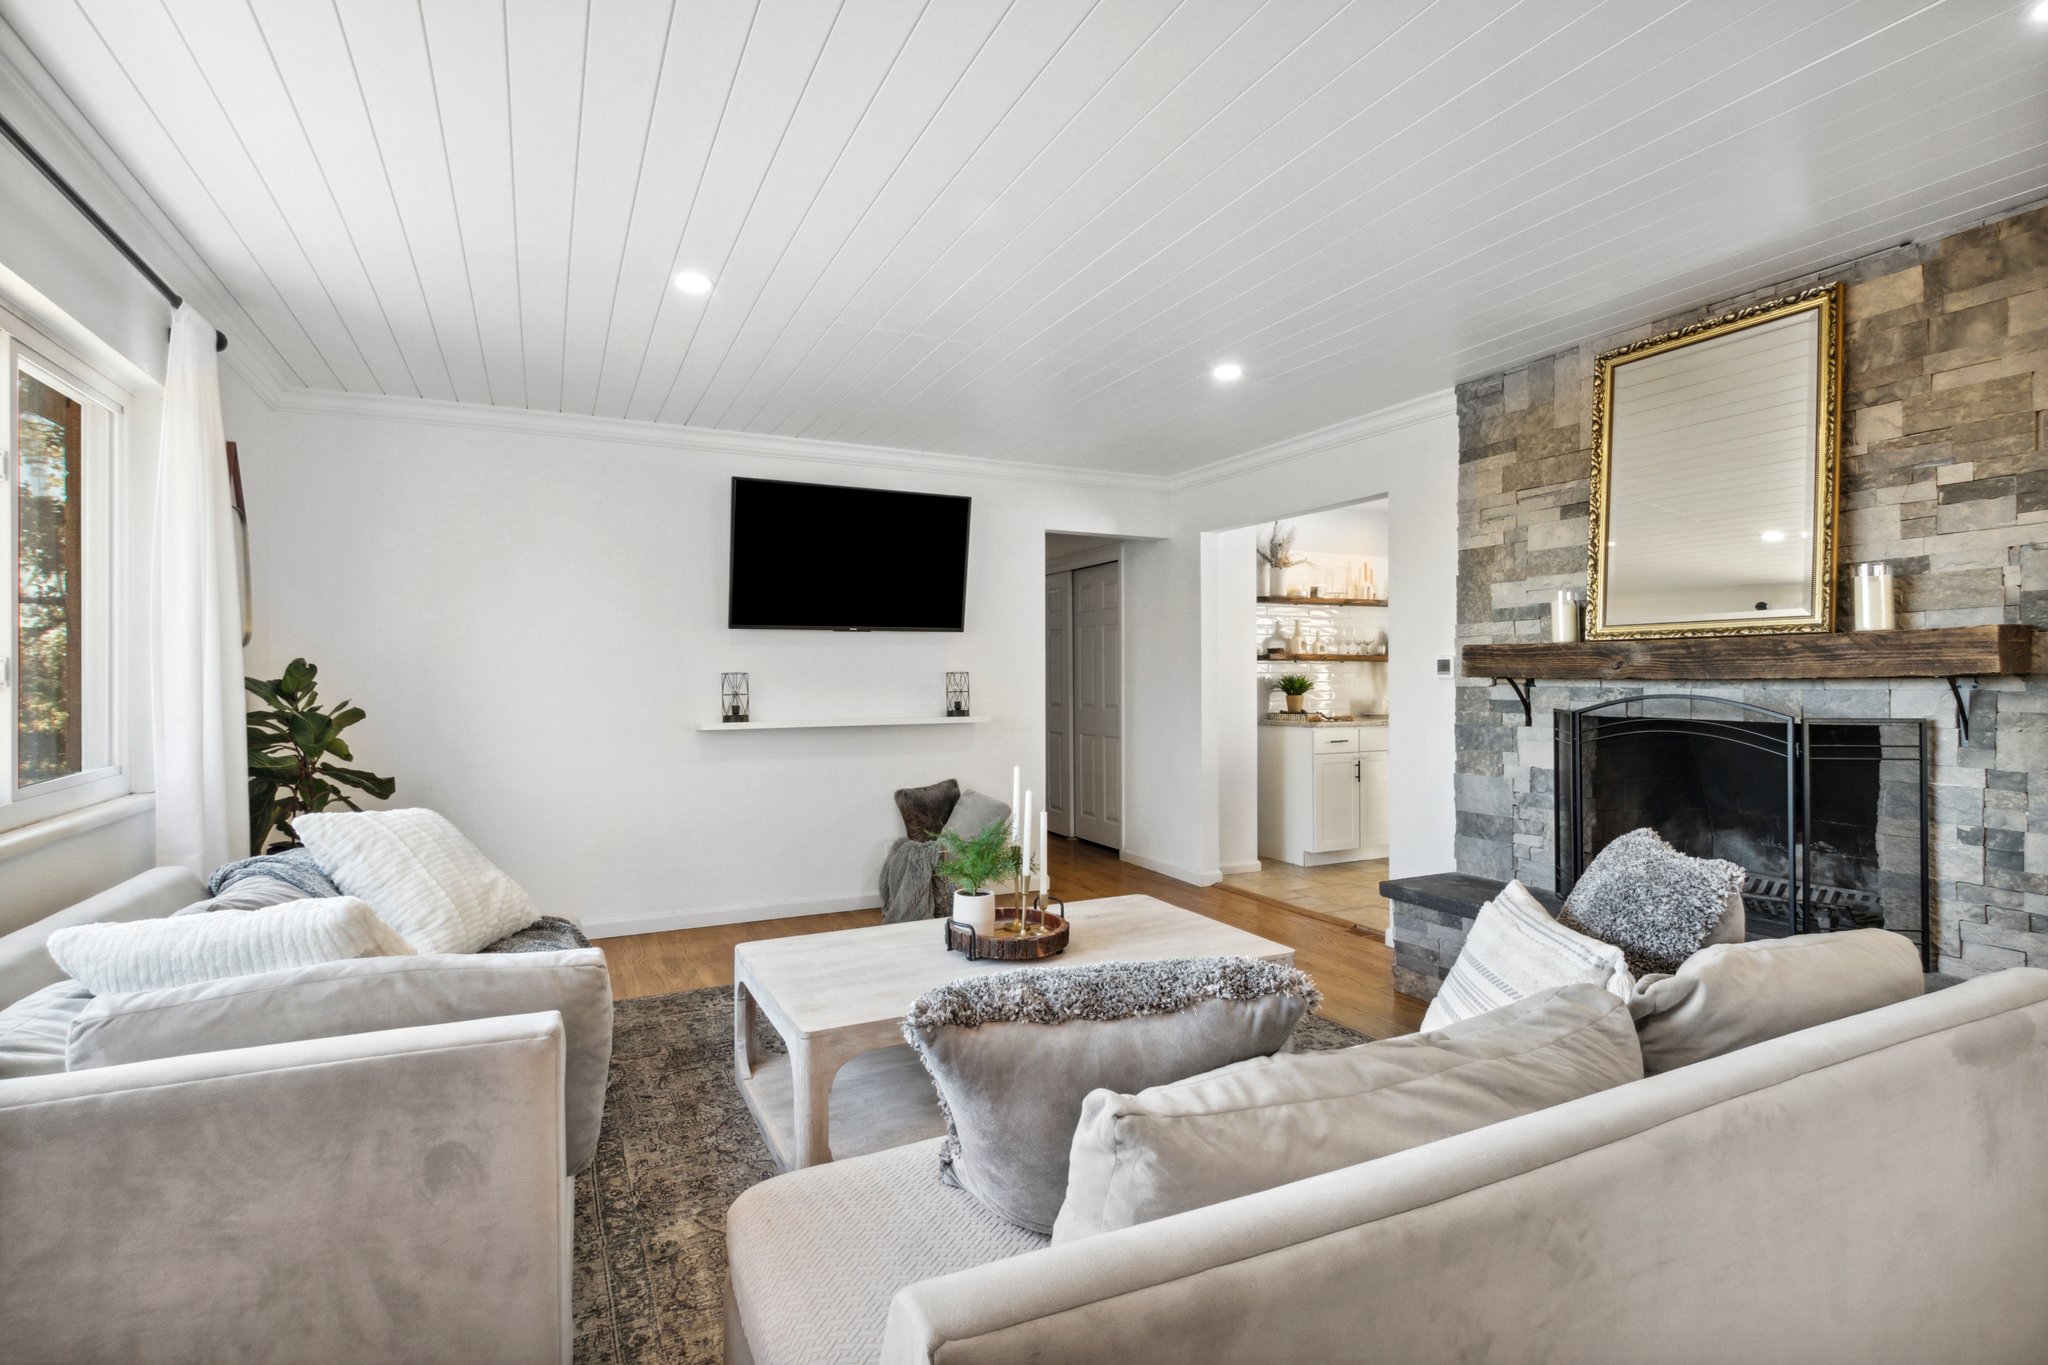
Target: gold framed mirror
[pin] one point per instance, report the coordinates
(1716, 461)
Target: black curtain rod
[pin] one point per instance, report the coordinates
(35, 159)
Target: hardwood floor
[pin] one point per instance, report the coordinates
(1348, 961)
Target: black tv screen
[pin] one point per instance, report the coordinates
(819, 556)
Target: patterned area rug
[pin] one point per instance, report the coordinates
(678, 1146)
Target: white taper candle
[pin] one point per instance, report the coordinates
(1045, 851)
(1016, 791)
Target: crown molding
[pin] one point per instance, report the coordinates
(759, 445)
(708, 440)
(1381, 422)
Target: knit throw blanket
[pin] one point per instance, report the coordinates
(294, 866)
(907, 876)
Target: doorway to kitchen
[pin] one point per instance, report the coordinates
(1319, 588)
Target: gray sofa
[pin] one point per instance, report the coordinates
(390, 1193)
(1868, 1190)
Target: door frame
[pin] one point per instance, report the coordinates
(1112, 553)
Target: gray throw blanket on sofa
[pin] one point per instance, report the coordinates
(293, 866)
(908, 874)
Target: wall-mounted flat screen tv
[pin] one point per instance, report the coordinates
(818, 556)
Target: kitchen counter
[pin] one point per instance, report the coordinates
(1283, 718)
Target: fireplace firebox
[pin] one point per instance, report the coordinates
(1826, 816)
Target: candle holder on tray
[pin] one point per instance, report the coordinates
(1039, 931)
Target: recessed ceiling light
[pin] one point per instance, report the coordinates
(693, 282)
(2039, 13)
(1773, 537)
(1227, 371)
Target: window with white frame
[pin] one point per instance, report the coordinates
(56, 675)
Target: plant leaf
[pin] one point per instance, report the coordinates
(298, 677)
(279, 767)
(379, 787)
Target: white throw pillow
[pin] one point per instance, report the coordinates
(426, 880)
(151, 954)
(1515, 949)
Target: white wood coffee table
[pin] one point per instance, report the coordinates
(838, 1001)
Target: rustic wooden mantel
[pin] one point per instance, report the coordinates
(1959, 654)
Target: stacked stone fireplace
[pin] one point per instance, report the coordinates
(1944, 476)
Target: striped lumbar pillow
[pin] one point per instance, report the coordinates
(1515, 949)
(154, 954)
(425, 879)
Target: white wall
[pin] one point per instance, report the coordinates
(532, 611)
(1191, 731)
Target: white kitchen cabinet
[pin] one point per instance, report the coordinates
(1334, 807)
(1322, 793)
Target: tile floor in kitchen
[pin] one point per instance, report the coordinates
(1346, 892)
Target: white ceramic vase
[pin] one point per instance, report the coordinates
(977, 911)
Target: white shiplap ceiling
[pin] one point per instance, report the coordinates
(1023, 229)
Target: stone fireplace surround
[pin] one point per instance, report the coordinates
(1944, 476)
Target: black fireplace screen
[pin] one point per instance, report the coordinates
(1828, 817)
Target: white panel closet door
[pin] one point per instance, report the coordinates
(1059, 701)
(1098, 704)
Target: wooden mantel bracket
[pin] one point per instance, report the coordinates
(1522, 690)
(1962, 689)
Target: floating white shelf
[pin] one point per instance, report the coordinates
(870, 722)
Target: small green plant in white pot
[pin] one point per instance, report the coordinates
(976, 866)
(1296, 686)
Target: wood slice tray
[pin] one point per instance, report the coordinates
(1008, 945)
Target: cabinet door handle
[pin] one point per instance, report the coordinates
(1356, 764)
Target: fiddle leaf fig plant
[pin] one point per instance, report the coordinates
(975, 864)
(291, 745)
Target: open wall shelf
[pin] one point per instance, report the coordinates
(740, 727)
(1322, 658)
(1324, 601)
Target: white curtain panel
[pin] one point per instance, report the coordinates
(195, 637)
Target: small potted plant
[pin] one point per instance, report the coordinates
(1296, 686)
(975, 866)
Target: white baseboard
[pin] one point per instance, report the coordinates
(1233, 869)
(661, 921)
(1190, 875)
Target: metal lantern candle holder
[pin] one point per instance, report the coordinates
(956, 694)
(732, 692)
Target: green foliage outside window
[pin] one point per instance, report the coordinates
(49, 502)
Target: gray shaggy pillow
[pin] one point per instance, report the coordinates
(1657, 905)
(1014, 1054)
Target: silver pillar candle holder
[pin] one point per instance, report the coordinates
(1565, 617)
(1875, 596)
(732, 697)
(956, 695)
